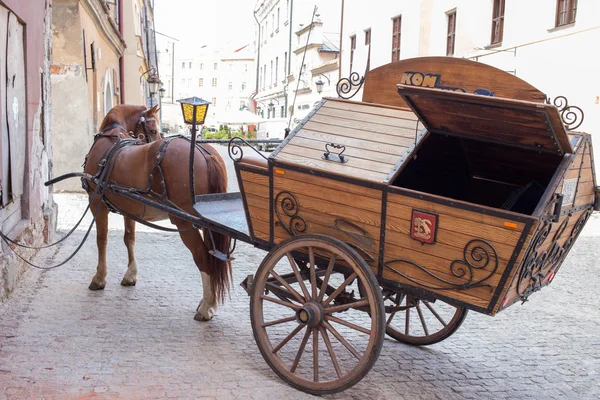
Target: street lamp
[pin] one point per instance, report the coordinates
(320, 83)
(154, 84)
(194, 111)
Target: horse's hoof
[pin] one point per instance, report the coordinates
(204, 312)
(97, 286)
(126, 282)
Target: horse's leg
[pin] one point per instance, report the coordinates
(193, 241)
(101, 214)
(130, 277)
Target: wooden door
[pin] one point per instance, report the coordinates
(13, 117)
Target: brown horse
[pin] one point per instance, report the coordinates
(160, 167)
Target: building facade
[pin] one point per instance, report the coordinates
(103, 54)
(544, 42)
(296, 46)
(140, 56)
(86, 70)
(27, 212)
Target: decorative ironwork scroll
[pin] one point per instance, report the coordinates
(478, 255)
(571, 116)
(352, 85)
(287, 207)
(236, 153)
(540, 265)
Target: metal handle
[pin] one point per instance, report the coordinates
(338, 157)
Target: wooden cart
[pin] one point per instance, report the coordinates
(453, 186)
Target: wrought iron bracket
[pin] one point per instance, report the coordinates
(572, 116)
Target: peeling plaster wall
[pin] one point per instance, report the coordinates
(39, 211)
(74, 120)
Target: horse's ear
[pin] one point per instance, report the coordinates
(153, 110)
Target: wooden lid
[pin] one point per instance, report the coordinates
(525, 124)
(445, 73)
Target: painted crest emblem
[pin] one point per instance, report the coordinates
(423, 227)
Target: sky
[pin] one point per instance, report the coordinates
(210, 22)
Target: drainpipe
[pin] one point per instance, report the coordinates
(122, 59)
(258, 56)
(289, 60)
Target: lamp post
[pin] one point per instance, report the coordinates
(153, 84)
(194, 111)
(161, 95)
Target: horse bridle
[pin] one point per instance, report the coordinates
(142, 123)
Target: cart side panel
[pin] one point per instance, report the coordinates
(254, 186)
(554, 238)
(460, 255)
(304, 203)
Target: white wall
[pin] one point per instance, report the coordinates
(558, 61)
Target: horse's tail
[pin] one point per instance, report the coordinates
(219, 271)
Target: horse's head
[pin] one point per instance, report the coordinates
(139, 121)
(147, 127)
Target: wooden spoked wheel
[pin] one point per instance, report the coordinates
(310, 323)
(420, 322)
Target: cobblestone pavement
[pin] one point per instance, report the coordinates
(59, 340)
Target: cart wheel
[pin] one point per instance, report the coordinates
(420, 322)
(309, 322)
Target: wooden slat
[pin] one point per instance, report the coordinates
(447, 242)
(368, 108)
(330, 183)
(257, 190)
(393, 149)
(402, 205)
(442, 269)
(316, 155)
(368, 118)
(315, 190)
(586, 175)
(335, 210)
(331, 167)
(350, 151)
(261, 203)
(361, 124)
(254, 178)
(453, 224)
(363, 134)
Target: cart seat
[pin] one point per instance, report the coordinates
(254, 160)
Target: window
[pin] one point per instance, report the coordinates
(183, 82)
(264, 76)
(276, 69)
(214, 82)
(260, 77)
(245, 67)
(214, 102)
(396, 38)
(497, 21)
(243, 85)
(201, 82)
(282, 111)
(230, 86)
(272, 23)
(368, 37)
(451, 33)
(566, 11)
(352, 48)
(266, 29)
(183, 65)
(285, 64)
(278, 18)
(215, 66)
(242, 104)
(201, 66)
(190, 65)
(271, 82)
(189, 82)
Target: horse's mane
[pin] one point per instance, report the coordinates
(121, 114)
